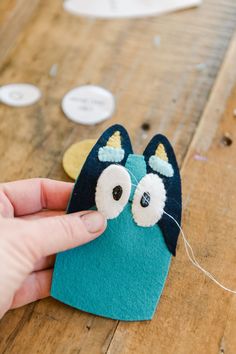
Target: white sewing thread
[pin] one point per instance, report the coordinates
(189, 248)
(193, 260)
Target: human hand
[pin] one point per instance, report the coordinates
(32, 229)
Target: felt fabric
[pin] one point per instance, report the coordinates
(75, 157)
(173, 204)
(110, 154)
(83, 195)
(149, 212)
(115, 140)
(112, 177)
(119, 275)
(161, 166)
(161, 152)
(122, 273)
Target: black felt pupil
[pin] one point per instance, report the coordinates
(145, 200)
(117, 192)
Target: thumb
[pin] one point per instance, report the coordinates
(55, 234)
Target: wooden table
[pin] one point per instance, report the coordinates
(184, 87)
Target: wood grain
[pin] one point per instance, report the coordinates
(14, 15)
(166, 86)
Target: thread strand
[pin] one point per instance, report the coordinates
(193, 259)
(189, 249)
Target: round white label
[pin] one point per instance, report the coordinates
(19, 95)
(88, 104)
(125, 8)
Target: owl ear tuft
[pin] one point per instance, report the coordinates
(112, 151)
(160, 162)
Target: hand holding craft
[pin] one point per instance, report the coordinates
(33, 228)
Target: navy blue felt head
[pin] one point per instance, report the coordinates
(83, 196)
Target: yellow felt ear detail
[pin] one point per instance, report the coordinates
(161, 153)
(75, 156)
(115, 141)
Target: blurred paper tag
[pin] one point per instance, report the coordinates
(126, 8)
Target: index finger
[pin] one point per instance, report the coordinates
(30, 196)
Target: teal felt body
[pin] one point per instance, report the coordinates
(122, 273)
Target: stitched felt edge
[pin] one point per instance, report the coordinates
(83, 194)
(110, 154)
(161, 166)
(140, 215)
(173, 204)
(113, 175)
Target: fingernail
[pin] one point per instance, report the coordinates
(94, 222)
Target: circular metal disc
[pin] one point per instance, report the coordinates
(19, 95)
(88, 104)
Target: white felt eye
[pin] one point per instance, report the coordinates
(113, 191)
(149, 200)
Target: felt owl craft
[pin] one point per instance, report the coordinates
(121, 274)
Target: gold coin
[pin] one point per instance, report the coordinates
(75, 156)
